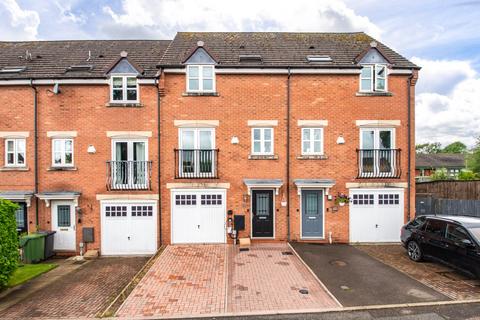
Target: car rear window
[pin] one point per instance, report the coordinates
(417, 222)
(436, 227)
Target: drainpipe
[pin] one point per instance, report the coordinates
(159, 158)
(35, 146)
(288, 155)
(409, 153)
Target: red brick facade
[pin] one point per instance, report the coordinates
(241, 97)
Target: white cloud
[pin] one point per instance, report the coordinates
(67, 15)
(17, 23)
(164, 18)
(455, 113)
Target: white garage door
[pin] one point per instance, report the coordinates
(198, 216)
(376, 215)
(129, 228)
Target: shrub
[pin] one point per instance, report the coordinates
(8, 241)
(467, 175)
(440, 174)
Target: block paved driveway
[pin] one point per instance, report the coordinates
(189, 280)
(83, 292)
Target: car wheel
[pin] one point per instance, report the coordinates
(414, 251)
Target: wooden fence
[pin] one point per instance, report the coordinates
(448, 198)
(451, 189)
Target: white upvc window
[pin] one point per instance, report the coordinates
(373, 77)
(62, 152)
(15, 152)
(262, 141)
(200, 78)
(312, 141)
(124, 88)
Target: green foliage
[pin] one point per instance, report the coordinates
(467, 175)
(440, 174)
(473, 160)
(455, 147)
(8, 241)
(428, 148)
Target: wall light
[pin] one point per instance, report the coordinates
(340, 139)
(235, 140)
(91, 149)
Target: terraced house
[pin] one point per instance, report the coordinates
(122, 146)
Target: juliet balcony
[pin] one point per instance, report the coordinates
(378, 163)
(129, 175)
(196, 163)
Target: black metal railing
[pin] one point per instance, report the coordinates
(129, 175)
(378, 163)
(196, 163)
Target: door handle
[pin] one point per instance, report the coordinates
(376, 226)
(128, 237)
(198, 226)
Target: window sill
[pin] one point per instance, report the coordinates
(312, 157)
(124, 104)
(262, 157)
(374, 94)
(62, 169)
(14, 169)
(200, 94)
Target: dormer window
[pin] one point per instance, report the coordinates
(200, 71)
(124, 88)
(373, 78)
(200, 78)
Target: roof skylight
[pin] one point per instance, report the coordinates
(12, 69)
(319, 58)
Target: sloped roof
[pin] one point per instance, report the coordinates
(50, 59)
(440, 160)
(279, 49)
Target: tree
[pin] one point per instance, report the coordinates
(455, 147)
(428, 148)
(467, 175)
(8, 241)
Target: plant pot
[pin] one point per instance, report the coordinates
(341, 204)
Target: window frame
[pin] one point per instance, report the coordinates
(373, 77)
(200, 78)
(262, 141)
(124, 89)
(312, 141)
(376, 137)
(62, 163)
(15, 152)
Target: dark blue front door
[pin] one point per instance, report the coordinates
(262, 213)
(312, 213)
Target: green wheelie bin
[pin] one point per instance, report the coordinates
(33, 247)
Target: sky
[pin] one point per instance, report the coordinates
(443, 37)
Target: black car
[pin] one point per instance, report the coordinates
(452, 240)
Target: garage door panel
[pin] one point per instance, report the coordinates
(198, 216)
(376, 215)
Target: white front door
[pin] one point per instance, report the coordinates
(129, 228)
(376, 215)
(63, 223)
(198, 216)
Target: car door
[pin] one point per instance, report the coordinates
(459, 253)
(433, 239)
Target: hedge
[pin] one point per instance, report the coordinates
(8, 241)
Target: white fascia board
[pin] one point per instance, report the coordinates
(27, 82)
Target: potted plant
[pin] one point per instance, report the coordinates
(341, 199)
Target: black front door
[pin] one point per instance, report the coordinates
(21, 217)
(262, 213)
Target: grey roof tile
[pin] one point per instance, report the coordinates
(440, 160)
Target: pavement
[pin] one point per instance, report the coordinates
(357, 279)
(193, 280)
(71, 290)
(441, 312)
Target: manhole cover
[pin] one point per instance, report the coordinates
(287, 253)
(303, 291)
(338, 263)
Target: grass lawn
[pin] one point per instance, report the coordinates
(26, 272)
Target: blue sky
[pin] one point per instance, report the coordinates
(441, 36)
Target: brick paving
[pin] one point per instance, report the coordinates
(185, 280)
(265, 279)
(81, 293)
(434, 275)
(194, 280)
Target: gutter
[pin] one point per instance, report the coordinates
(288, 155)
(35, 146)
(158, 159)
(409, 147)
